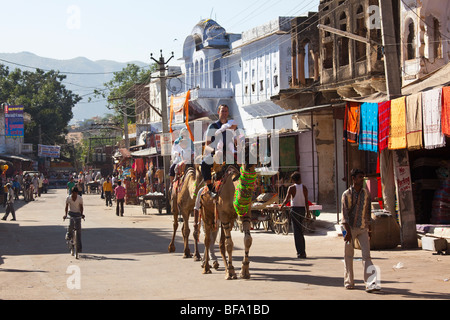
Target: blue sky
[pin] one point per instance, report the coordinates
(126, 30)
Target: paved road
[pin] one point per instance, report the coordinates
(126, 258)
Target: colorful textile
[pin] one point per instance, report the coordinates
(352, 122)
(414, 121)
(244, 192)
(432, 131)
(397, 136)
(384, 124)
(445, 119)
(368, 139)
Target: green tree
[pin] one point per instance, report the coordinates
(44, 97)
(120, 89)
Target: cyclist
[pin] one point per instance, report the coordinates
(74, 208)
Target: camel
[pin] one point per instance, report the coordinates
(183, 202)
(227, 215)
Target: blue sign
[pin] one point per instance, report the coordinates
(14, 127)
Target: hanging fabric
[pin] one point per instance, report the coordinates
(384, 124)
(432, 131)
(368, 139)
(352, 119)
(397, 136)
(414, 121)
(445, 118)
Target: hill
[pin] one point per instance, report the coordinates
(83, 77)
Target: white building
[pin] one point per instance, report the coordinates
(243, 71)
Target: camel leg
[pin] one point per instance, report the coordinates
(245, 272)
(212, 251)
(206, 266)
(186, 233)
(175, 228)
(196, 235)
(228, 246)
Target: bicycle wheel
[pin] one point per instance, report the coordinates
(75, 247)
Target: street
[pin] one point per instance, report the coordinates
(126, 258)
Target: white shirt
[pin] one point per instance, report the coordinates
(74, 206)
(299, 199)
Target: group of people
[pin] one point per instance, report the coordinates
(110, 187)
(356, 217)
(32, 185)
(356, 203)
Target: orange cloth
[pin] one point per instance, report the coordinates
(445, 111)
(352, 121)
(397, 137)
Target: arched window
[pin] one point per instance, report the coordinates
(343, 41)
(410, 37)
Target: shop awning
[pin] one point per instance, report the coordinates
(145, 153)
(15, 157)
(438, 78)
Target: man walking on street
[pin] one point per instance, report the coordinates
(356, 216)
(120, 192)
(9, 203)
(107, 188)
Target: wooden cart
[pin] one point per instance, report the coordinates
(152, 200)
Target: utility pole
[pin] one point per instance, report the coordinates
(402, 171)
(125, 124)
(165, 123)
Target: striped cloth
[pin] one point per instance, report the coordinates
(368, 139)
(384, 123)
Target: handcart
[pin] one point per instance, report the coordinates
(93, 187)
(152, 200)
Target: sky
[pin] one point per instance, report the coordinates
(129, 30)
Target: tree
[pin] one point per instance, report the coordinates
(44, 97)
(120, 89)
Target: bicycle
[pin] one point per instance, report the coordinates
(73, 239)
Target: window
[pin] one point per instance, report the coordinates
(261, 85)
(410, 37)
(275, 81)
(437, 49)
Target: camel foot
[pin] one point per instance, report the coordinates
(171, 248)
(216, 265)
(245, 272)
(207, 271)
(187, 255)
(230, 274)
(197, 257)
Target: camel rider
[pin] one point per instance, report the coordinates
(215, 138)
(182, 151)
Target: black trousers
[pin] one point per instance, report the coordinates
(119, 202)
(298, 215)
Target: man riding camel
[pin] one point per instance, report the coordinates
(216, 143)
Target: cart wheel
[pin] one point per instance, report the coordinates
(276, 222)
(285, 226)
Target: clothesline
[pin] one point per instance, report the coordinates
(421, 120)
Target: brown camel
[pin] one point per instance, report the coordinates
(226, 214)
(183, 202)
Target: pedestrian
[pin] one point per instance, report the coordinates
(107, 188)
(70, 185)
(9, 203)
(120, 192)
(356, 215)
(299, 210)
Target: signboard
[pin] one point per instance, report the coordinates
(14, 127)
(49, 151)
(166, 144)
